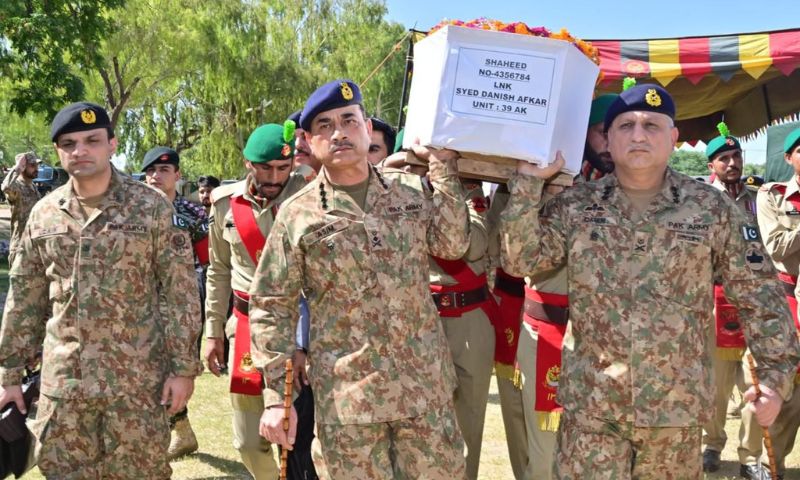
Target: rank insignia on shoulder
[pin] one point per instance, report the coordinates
(750, 233)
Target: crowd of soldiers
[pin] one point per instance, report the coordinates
(398, 288)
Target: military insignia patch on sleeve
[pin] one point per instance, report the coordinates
(180, 222)
(750, 233)
(754, 259)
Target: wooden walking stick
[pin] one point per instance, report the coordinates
(287, 412)
(773, 468)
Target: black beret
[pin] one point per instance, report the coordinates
(390, 134)
(79, 117)
(335, 94)
(160, 156)
(646, 97)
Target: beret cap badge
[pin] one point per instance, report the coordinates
(88, 117)
(653, 98)
(286, 150)
(347, 92)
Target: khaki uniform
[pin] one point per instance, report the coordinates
(107, 351)
(779, 219)
(22, 195)
(729, 373)
(639, 297)
(231, 268)
(471, 338)
(379, 360)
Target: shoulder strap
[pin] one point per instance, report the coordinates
(246, 225)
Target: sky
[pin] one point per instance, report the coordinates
(615, 20)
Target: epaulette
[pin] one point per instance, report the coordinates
(780, 187)
(225, 191)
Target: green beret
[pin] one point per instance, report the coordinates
(267, 143)
(80, 117)
(792, 140)
(600, 106)
(720, 145)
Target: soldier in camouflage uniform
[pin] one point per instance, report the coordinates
(642, 248)
(356, 241)
(270, 180)
(161, 166)
(779, 219)
(21, 194)
(99, 250)
(725, 163)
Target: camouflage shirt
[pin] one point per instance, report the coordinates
(21, 195)
(779, 219)
(377, 351)
(103, 334)
(231, 267)
(640, 293)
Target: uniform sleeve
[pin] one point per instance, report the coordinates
(218, 275)
(751, 286)
(530, 242)
(499, 201)
(23, 327)
(274, 308)
(174, 267)
(779, 240)
(478, 236)
(448, 231)
(11, 187)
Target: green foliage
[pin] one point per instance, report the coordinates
(46, 46)
(691, 163)
(759, 169)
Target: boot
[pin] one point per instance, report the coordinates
(183, 441)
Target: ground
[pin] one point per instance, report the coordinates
(210, 414)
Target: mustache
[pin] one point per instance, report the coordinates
(336, 146)
(301, 150)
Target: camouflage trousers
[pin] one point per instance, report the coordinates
(108, 438)
(426, 447)
(592, 449)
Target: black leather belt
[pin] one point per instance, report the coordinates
(512, 286)
(546, 313)
(241, 304)
(460, 299)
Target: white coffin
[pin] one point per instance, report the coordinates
(501, 94)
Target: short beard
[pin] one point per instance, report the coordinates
(270, 196)
(596, 161)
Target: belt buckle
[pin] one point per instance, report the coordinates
(447, 299)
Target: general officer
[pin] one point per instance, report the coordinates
(99, 250)
(642, 248)
(242, 215)
(356, 242)
(21, 193)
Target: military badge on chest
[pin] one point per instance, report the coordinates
(641, 243)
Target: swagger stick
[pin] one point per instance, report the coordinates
(773, 469)
(287, 411)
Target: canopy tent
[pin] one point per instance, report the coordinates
(748, 80)
(777, 168)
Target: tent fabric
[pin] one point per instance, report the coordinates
(748, 80)
(777, 169)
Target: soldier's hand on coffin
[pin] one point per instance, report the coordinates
(430, 154)
(12, 393)
(215, 354)
(271, 426)
(531, 170)
(299, 375)
(176, 393)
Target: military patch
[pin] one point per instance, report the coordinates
(750, 233)
(47, 231)
(126, 227)
(88, 117)
(690, 238)
(327, 230)
(180, 222)
(641, 243)
(347, 92)
(594, 208)
(203, 227)
(211, 220)
(180, 242)
(411, 207)
(652, 98)
(754, 259)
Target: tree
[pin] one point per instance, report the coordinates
(759, 169)
(44, 47)
(690, 163)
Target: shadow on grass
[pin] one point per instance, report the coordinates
(233, 468)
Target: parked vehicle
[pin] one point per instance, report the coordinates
(50, 178)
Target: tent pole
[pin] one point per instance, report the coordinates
(401, 120)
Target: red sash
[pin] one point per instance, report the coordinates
(730, 336)
(467, 280)
(246, 225)
(245, 378)
(509, 291)
(548, 359)
(201, 250)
